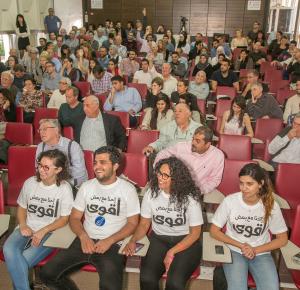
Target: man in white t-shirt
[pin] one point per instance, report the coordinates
(145, 75)
(110, 208)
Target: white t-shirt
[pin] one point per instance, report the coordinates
(245, 223)
(106, 207)
(45, 203)
(167, 219)
(143, 78)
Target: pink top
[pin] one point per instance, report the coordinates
(206, 169)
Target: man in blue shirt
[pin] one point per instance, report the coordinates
(52, 22)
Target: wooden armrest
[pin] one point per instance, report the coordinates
(281, 201)
(4, 223)
(266, 166)
(288, 251)
(256, 141)
(215, 197)
(61, 238)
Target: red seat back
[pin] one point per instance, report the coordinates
(21, 165)
(226, 91)
(89, 163)
(265, 129)
(139, 139)
(135, 167)
(19, 114)
(123, 116)
(244, 72)
(19, 133)
(275, 85)
(221, 107)
(264, 66)
(284, 93)
(230, 180)
(142, 89)
(272, 74)
(236, 53)
(201, 105)
(287, 183)
(68, 132)
(295, 232)
(236, 147)
(42, 113)
(2, 209)
(84, 88)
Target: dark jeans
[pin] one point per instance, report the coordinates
(110, 264)
(219, 279)
(182, 267)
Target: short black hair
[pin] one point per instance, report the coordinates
(98, 69)
(118, 79)
(227, 60)
(114, 154)
(206, 132)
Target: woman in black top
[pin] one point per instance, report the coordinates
(156, 87)
(204, 65)
(22, 32)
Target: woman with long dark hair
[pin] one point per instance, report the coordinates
(172, 208)
(235, 120)
(155, 118)
(251, 217)
(23, 32)
(44, 205)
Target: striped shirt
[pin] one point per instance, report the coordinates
(103, 85)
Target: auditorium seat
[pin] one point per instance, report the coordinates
(237, 147)
(139, 139)
(283, 94)
(123, 116)
(226, 91)
(201, 105)
(142, 89)
(19, 133)
(265, 129)
(89, 163)
(68, 132)
(84, 88)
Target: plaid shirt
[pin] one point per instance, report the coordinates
(103, 85)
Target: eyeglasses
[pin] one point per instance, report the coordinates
(44, 129)
(164, 176)
(45, 167)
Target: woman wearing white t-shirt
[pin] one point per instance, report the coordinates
(44, 205)
(172, 207)
(250, 217)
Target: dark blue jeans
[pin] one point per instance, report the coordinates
(109, 266)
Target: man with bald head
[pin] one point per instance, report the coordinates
(7, 79)
(170, 83)
(99, 128)
(179, 130)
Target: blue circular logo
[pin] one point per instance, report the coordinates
(100, 221)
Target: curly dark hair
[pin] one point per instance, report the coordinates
(182, 184)
(59, 160)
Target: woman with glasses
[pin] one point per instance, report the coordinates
(172, 208)
(44, 205)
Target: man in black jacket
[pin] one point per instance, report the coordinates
(99, 128)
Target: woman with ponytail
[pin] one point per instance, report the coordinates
(251, 216)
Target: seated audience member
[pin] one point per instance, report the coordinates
(281, 48)
(179, 130)
(44, 205)
(130, 42)
(147, 43)
(213, 50)
(68, 71)
(7, 106)
(32, 65)
(196, 50)
(30, 99)
(156, 57)
(71, 113)
(178, 68)
(204, 161)
(51, 79)
(203, 65)
(286, 57)
(156, 90)
(252, 34)
(262, 105)
(243, 61)
(103, 57)
(92, 64)
(220, 51)
(123, 98)
(12, 61)
(100, 36)
(145, 75)
(261, 38)
(220, 59)
(199, 87)
(19, 76)
(224, 77)
(113, 53)
(98, 236)
(99, 128)
(294, 67)
(53, 58)
(101, 84)
(252, 78)
(129, 66)
(51, 137)
(182, 57)
(225, 46)
(72, 42)
(257, 55)
(172, 208)
(285, 147)
(183, 43)
(239, 40)
(113, 68)
(7, 79)
(81, 62)
(59, 96)
(122, 50)
(236, 120)
(158, 116)
(170, 83)
(275, 43)
(293, 104)
(250, 239)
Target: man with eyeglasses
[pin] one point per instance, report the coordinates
(252, 78)
(205, 161)
(292, 105)
(285, 147)
(72, 41)
(59, 96)
(51, 79)
(50, 133)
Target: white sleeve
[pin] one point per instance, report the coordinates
(146, 211)
(23, 197)
(133, 203)
(79, 202)
(276, 222)
(221, 215)
(67, 200)
(195, 213)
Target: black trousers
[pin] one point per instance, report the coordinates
(219, 279)
(109, 265)
(182, 267)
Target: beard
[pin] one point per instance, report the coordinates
(105, 177)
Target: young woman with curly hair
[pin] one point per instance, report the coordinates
(172, 208)
(251, 216)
